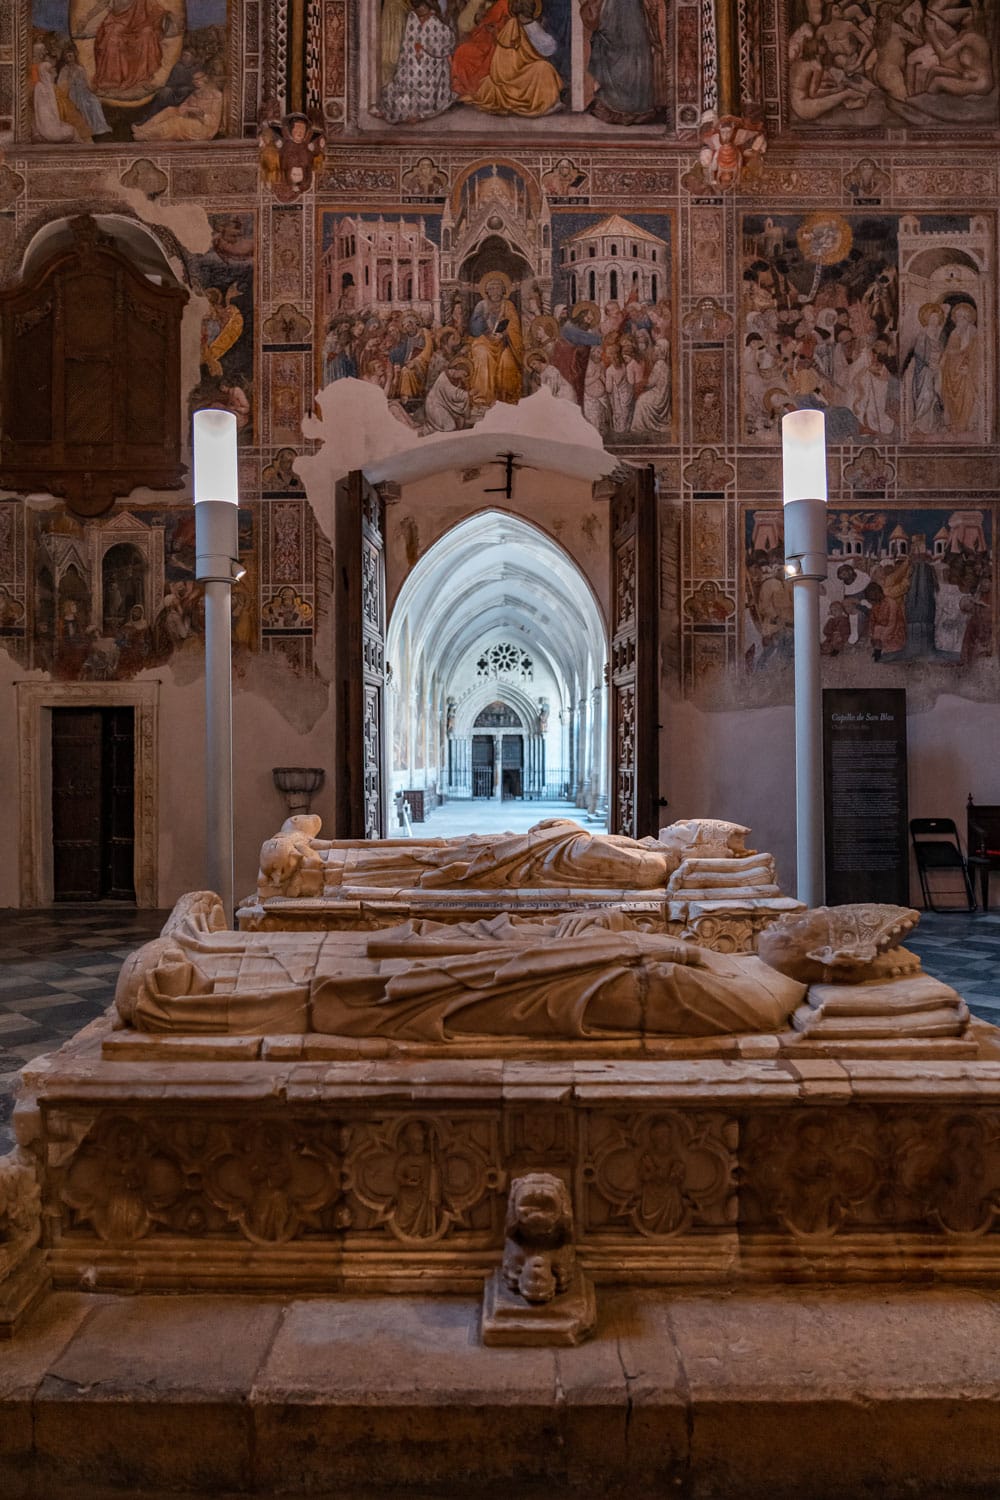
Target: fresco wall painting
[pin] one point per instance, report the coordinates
(13, 595)
(869, 65)
(288, 605)
(225, 276)
(496, 293)
(127, 70)
(112, 597)
(875, 318)
(524, 61)
(904, 585)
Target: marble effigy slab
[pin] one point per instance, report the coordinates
(731, 923)
(239, 1163)
(361, 908)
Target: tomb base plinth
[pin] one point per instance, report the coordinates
(731, 924)
(227, 1165)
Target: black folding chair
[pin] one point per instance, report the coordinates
(938, 851)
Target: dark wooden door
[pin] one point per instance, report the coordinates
(634, 664)
(118, 804)
(359, 625)
(93, 815)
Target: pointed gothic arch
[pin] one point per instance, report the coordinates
(496, 610)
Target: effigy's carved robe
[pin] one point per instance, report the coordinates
(587, 976)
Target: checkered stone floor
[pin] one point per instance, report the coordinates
(963, 949)
(57, 972)
(58, 969)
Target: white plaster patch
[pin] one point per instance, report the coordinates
(358, 430)
(188, 221)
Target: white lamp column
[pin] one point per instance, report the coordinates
(216, 496)
(803, 454)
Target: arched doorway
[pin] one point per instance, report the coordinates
(497, 693)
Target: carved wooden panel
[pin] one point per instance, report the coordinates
(360, 655)
(634, 678)
(90, 376)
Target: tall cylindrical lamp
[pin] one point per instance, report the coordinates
(803, 457)
(216, 501)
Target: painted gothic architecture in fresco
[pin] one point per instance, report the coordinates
(500, 260)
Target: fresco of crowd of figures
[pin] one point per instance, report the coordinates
(581, 253)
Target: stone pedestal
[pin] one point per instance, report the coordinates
(509, 1322)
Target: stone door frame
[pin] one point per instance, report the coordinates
(35, 701)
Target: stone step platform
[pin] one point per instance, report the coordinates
(780, 1394)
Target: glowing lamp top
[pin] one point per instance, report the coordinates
(216, 470)
(803, 456)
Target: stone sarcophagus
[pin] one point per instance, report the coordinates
(697, 880)
(823, 1110)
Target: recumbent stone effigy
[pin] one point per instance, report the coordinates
(697, 880)
(350, 1109)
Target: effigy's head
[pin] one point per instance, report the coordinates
(835, 944)
(539, 1211)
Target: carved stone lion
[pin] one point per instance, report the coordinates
(289, 865)
(538, 1258)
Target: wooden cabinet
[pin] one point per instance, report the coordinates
(90, 402)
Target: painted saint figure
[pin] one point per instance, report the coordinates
(922, 372)
(520, 80)
(198, 119)
(128, 44)
(48, 122)
(497, 347)
(960, 370)
(624, 41)
(73, 82)
(420, 87)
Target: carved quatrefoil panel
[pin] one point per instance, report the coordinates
(421, 1176)
(661, 1173)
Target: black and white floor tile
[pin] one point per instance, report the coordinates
(57, 972)
(58, 969)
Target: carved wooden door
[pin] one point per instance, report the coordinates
(359, 650)
(635, 650)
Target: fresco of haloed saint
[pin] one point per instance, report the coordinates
(869, 63)
(902, 585)
(448, 322)
(127, 70)
(225, 276)
(875, 319)
(516, 58)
